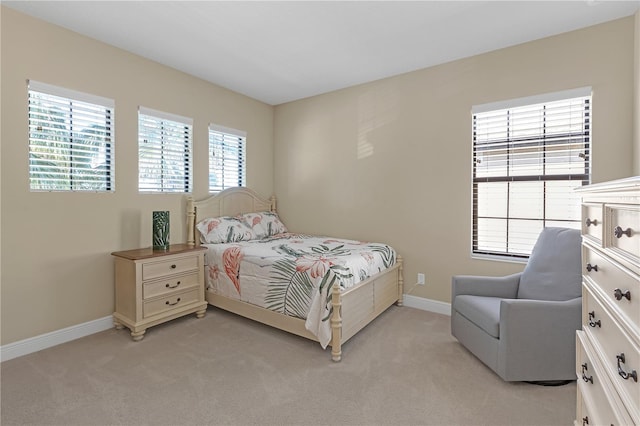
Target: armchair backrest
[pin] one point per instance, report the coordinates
(554, 268)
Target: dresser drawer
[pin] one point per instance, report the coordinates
(619, 285)
(169, 266)
(172, 301)
(583, 416)
(595, 390)
(613, 343)
(623, 232)
(592, 221)
(170, 285)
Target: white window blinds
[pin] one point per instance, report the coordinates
(70, 140)
(227, 159)
(527, 161)
(164, 152)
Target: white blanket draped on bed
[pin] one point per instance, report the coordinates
(293, 273)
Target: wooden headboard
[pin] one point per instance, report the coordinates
(230, 202)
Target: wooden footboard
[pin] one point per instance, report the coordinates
(353, 308)
(357, 306)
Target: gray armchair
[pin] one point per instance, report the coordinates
(523, 326)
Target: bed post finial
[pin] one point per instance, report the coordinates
(191, 217)
(273, 203)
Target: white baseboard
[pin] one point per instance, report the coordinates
(44, 341)
(427, 304)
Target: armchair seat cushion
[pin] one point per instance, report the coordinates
(482, 311)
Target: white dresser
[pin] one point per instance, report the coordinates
(608, 346)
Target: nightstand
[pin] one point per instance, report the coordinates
(155, 286)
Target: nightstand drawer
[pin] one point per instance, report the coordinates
(172, 266)
(173, 301)
(170, 285)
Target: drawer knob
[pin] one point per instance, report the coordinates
(621, 371)
(590, 222)
(173, 266)
(619, 294)
(619, 232)
(174, 303)
(591, 267)
(584, 374)
(593, 323)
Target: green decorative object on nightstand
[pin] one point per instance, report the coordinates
(160, 230)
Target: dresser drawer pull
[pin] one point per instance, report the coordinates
(172, 286)
(591, 267)
(174, 303)
(593, 323)
(590, 222)
(173, 266)
(618, 294)
(618, 232)
(585, 420)
(584, 375)
(624, 374)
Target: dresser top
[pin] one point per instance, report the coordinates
(627, 184)
(149, 252)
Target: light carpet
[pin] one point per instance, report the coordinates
(402, 369)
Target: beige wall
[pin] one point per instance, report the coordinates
(391, 160)
(387, 161)
(56, 267)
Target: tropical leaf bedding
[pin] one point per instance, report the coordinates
(293, 274)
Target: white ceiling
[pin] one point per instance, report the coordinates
(278, 52)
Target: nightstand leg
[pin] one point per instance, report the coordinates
(200, 314)
(138, 335)
(117, 325)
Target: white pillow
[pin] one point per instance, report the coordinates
(224, 229)
(264, 224)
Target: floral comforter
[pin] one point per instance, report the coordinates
(294, 273)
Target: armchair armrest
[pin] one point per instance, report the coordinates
(538, 337)
(504, 287)
(523, 315)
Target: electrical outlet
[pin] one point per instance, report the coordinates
(421, 279)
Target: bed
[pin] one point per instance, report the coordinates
(345, 302)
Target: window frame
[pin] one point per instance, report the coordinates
(583, 178)
(87, 112)
(169, 125)
(238, 142)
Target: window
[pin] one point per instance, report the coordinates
(227, 159)
(528, 157)
(164, 152)
(70, 140)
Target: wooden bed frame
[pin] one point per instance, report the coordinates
(353, 308)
